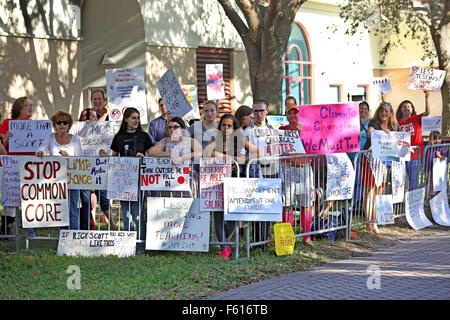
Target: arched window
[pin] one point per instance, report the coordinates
(297, 79)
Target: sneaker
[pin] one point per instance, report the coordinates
(224, 253)
(308, 242)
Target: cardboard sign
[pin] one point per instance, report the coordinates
(123, 178)
(126, 89)
(251, 199)
(393, 146)
(340, 177)
(95, 135)
(384, 209)
(279, 142)
(190, 91)
(331, 128)
(44, 192)
(28, 135)
(215, 86)
(161, 174)
(284, 239)
(172, 94)
(212, 173)
(439, 175)
(415, 215)
(398, 181)
(432, 123)
(97, 243)
(425, 79)
(10, 181)
(277, 121)
(440, 209)
(87, 173)
(175, 224)
(382, 85)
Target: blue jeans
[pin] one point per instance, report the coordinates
(134, 210)
(74, 218)
(412, 171)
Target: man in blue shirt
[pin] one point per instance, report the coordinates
(157, 127)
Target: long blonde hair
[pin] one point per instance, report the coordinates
(392, 124)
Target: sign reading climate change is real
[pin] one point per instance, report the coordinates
(331, 128)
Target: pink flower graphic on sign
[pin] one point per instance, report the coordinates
(215, 82)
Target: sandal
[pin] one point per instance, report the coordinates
(308, 242)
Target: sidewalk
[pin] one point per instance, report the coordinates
(416, 269)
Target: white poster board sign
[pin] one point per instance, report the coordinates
(398, 181)
(279, 142)
(44, 192)
(126, 89)
(382, 85)
(173, 96)
(190, 91)
(252, 199)
(432, 123)
(10, 181)
(28, 135)
(439, 174)
(160, 174)
(394, 145)
(95, 135)
(88, 243)
(440, 209)
(176, 224)
(384, 209)
(212, 173)
(378, 168)
(415, 215)
(277, 121)
(87, 173)
(123, 178)
(215, 86)
(425, 79)
(340, 177)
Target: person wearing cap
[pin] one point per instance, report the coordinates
(298, 179)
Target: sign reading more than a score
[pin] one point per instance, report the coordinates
(27, 135)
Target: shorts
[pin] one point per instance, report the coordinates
(298, 183)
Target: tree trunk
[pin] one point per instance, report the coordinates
(445, 65)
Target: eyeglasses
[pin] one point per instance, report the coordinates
(173, 127)
(62, 123)
(259, 111)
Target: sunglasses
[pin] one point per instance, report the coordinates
(62, 122)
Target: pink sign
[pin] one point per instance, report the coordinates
(330, 128)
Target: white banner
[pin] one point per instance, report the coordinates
(251, 199)
(382, 85)
(175, 224)
(97, 243)
(415, 215)
(87, 173)
(160, 174)
(393, 146)
(425, 79)
(398, 181)
(439, 174)
(123, 178)
(44, 192)
(440, 209)
(28, 135)
(384, 209)
(340, 177)
(10, 181)
(432, 123)
(173, 96)
(126, 89)
(95, 135)
(212, 173)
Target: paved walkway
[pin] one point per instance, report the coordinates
(416, 269)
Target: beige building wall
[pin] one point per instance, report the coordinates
(242, 89)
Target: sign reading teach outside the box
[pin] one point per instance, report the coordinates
(160, 174)
(331, 128)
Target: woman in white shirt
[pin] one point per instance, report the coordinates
(61, 142)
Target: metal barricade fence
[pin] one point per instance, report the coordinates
(430, 153)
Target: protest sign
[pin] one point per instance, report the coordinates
(123, 178)
(440, 209)
(28, 135)
(382, 85)
(378, 168)
(284, 238)
(95, 135)
(425, 79)
(384, 209)
(439, 174)
(277, 121)
(173, 96)
(331, 128)
(215, 87)
(340, 177)
(44, 192)
(176, 224)
(432, 123)
(126, 89)
(96, 243)
(161, 174)
(398, 181)
(279, 142)
(394, 145)
(10, 181)
(415, 215)
(252, 199)
(212, 173)
(87, 173)
(190, 91)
